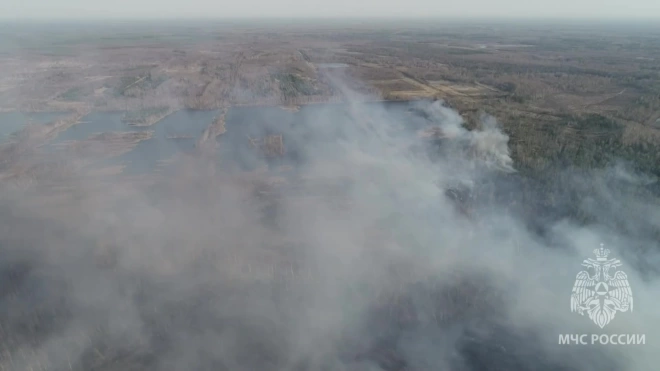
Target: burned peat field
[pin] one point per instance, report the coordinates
(327, 195)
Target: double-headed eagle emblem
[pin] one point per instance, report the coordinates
(603, 293)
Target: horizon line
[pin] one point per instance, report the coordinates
(336, 18)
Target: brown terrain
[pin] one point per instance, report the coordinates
(531, 77)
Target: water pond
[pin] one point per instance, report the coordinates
(12, 122)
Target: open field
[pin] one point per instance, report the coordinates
(535, 76)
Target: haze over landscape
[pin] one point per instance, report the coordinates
(288, 9)
(184, 188)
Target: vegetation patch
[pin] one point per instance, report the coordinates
(146, 116)
(399, 85)
(292, 85)
(589, 141)
(133, 86)
(72, 95)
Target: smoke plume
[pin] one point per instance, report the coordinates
(395, 243)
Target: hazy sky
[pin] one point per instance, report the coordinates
(327, 8)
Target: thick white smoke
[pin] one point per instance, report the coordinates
(360, 260)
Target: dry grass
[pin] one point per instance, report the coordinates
(638, 133)
(270, 146)
(207, 140)
(106, 144)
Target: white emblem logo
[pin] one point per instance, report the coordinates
(602, 294)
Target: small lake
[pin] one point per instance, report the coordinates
(176, 132)
(95, 123)
(307, 129)
(12, 122)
